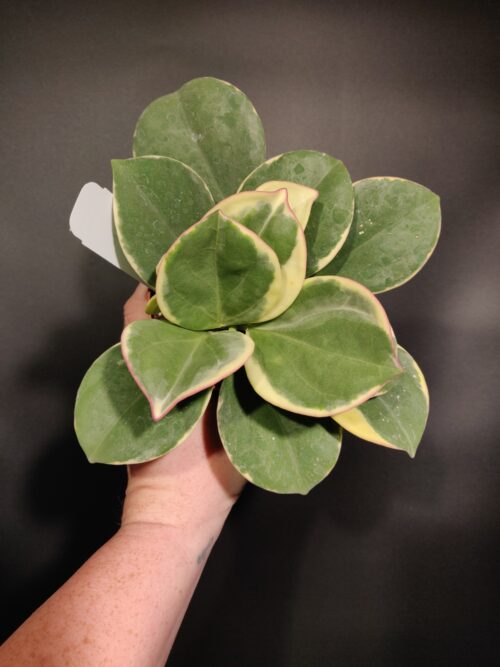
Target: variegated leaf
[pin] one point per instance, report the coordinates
(208, 124)
(154, 201)
(397, 418)
(269, 215)
(113, 419)
(217, 274)
(395, 230)
(274, 449)
(331, 213)
(300, 198)
(330, 351)
(169, 363)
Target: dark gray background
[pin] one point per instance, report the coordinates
(389, 562)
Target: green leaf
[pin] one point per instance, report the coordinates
(330, 351)
(170, 364)
(211, 126)
(331, 213)
(397, 418)
(152, 306)
(300, 198)
(154, 201)
(276, 450)
(113, 420)
(395, 230)
(216, 274)
(269, 215)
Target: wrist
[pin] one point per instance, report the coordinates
(154, 501)
(192, 487)
(187, 544)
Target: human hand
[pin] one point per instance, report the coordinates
(194, 485)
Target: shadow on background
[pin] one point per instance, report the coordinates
(388, 562)
(62, 489)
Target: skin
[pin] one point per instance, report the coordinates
(124, 606)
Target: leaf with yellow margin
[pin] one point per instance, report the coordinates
(397, 418)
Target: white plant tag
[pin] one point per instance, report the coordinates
(91, 221)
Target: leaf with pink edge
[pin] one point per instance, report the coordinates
(113, 418)
(169, 363)
(330, 351)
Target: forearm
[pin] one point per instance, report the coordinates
(123, 606)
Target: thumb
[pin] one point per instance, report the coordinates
(133, 308)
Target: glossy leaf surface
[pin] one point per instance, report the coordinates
(154, 201)
(217, 274)
(113, 419)
(330, 351)
(274, 449)
(331, 213)
(269, 215)
(397, 418)
(169, 363)
(395, 230)
(300, 198)
(211, 126)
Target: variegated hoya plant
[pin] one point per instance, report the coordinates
(263, 275)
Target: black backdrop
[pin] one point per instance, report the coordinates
(389, 562)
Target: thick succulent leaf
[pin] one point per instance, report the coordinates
(154, 201)
(269, 215)
(274, 449)
(169, 363)
(208, 124)
(395, 230)
(152, 306)
(397, 418)
(216, 274)
(330, 351)
(331, 213)
(300, 198)
(113, 420)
